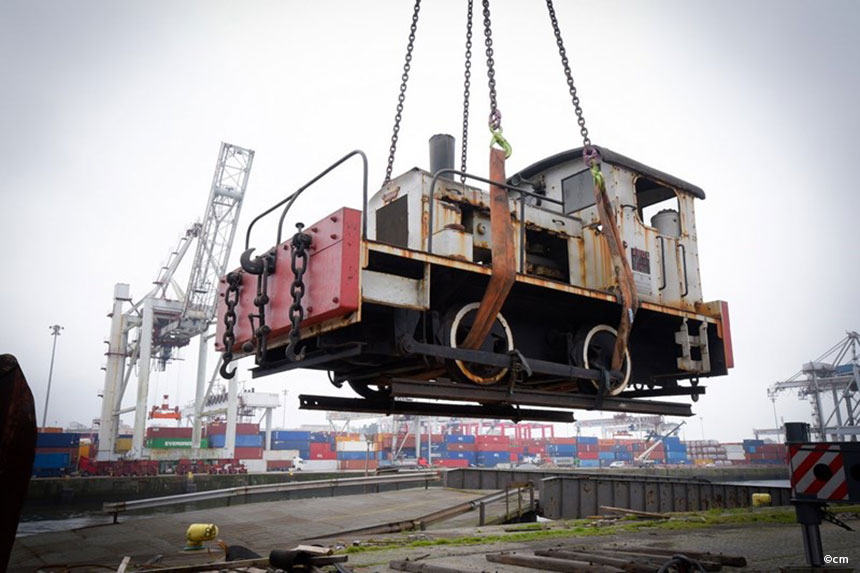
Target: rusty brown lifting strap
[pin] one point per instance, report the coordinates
(623, 272)
(504, 262)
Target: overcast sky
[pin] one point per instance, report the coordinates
(111, 116)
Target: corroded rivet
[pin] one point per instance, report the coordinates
(333, 236)
(335, 300)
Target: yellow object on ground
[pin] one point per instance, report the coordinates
(761, 499)
(197, 533)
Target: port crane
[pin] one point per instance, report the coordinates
(572, 284)
(146, 335)
(642, 459)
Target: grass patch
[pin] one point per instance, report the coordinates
(587, 528)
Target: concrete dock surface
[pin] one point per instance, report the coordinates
(258, 526)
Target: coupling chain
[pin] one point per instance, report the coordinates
(299, 264)
(231, 299)
(407, 65)
(589, 152)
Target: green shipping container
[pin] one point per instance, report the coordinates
(169, 443)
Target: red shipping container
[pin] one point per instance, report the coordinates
(493, 440)
(451, 463)
(517, 450)
(492, 447)
(248, 453)
(322, 451)
(278, 464)
(563, 441)
(357, 464)
(158, 432)
(460, 447)
(221, 428)
(535, 442)
(588, 455)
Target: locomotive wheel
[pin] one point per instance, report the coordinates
(374, 390)
(500, 340)
(593, 349)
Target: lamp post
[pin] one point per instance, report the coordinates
(55, 332)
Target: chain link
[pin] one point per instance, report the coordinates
(586, 142)
(495, 114)
(299, 264)
(467, 83)
(407, 65)
(234, 279)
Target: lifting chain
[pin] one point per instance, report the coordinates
(495, 120)
(587, 150)
(407, 65)
(299, 264)
(262, 331)
(467, 83)
(231, 299)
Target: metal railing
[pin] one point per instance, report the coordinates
(116, 508)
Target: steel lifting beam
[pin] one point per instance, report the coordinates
(506, 412)
(402, 388)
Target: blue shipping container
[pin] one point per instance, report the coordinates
(320, 437)
(51, 461)
(493, 456)
(354, 455)
(249, 440)
(45, 440)
(589, 463)
(452, 439)
(562, 450)
(469, 456)
(587, 440)
(291, 435)
(606, 456)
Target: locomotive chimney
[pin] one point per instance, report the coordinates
(442, 153)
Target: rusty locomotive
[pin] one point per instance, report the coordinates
(572, 284)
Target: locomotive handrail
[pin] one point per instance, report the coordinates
(522, 199)
(291, 198)
(320, 176)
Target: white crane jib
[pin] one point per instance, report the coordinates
(163, 323)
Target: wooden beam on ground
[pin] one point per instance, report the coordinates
(631, 565)
(636, 512)
(548, 563)
(729, 560)
(422, 567)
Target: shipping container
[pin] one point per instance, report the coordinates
(168, 432)
(168, 443)
(460, 447)
(446, 463)
(57, 440)
(248, 453)
(357, 464)
(459, 438)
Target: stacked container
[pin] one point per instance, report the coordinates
(56, 454)
(293, 440)
(167, 438)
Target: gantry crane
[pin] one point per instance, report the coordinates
(168, 317)
(832, 377)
